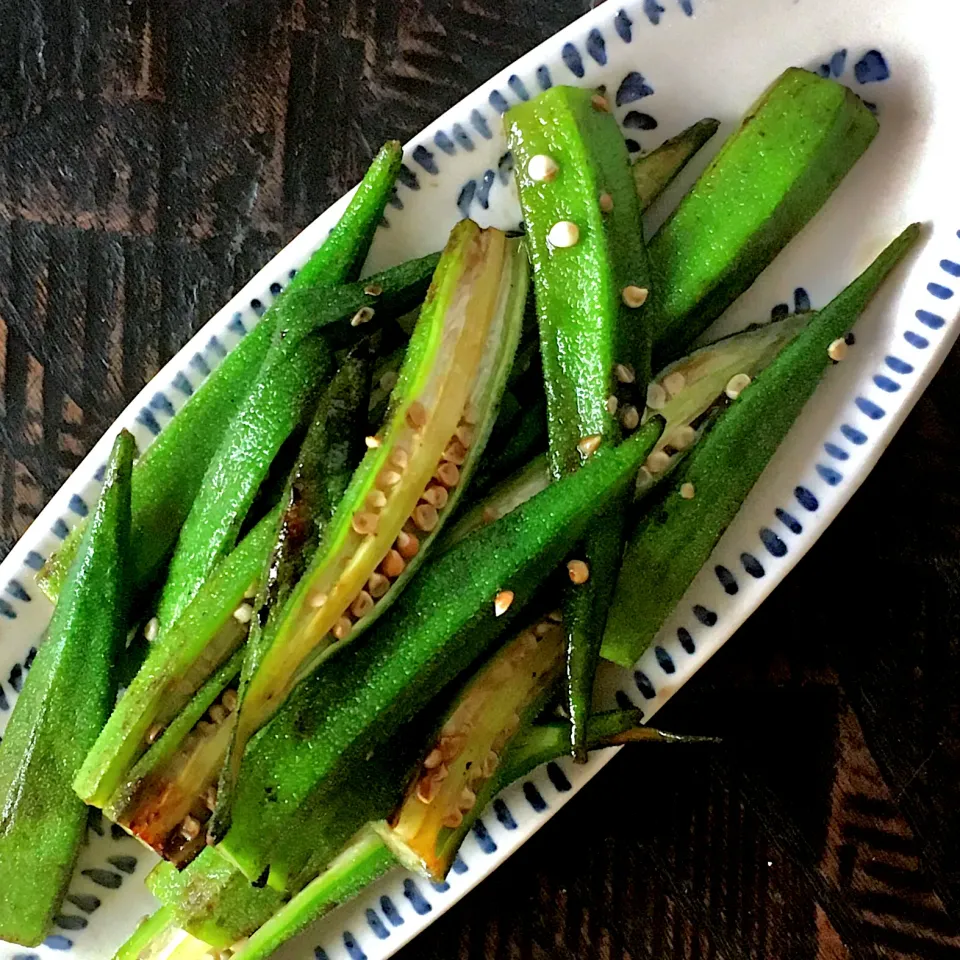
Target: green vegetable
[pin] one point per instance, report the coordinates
(673, 541)
(771, 176)
(583, 232)
(446, 618)
(65, 699)
(168, 795)
(177, 666)
(655, 171)
(441, 412)
(591, 278)
(515, 446)
(429, 826)
(296, 364)
(171, 470)
(328, 457)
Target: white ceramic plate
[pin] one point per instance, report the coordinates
(666, 64)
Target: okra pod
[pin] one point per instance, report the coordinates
(328, 457)
(795, 144)
(442, 409)
(168, 475)
(177, 665)
(591, 279)
(673, 541)
(64, 702)
(655, 171)
(445, 619)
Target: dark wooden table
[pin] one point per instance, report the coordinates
(154, 153)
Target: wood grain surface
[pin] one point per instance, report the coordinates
(154, 153)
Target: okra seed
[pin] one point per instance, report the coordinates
(612, 404)
(502, 601)
(542, 168)
(624, 373)
(243, 613)
(600, 103)
(373, 289)
(217, 713)
(389, 380)
(436, 495)
(362, 605)
(683, 437)
(153, 734)
(425, 516)
(450, 746)
(448, 474)
(210, 797)
(151, 629)
(466, 434)
(490, 763)
(407, 545)
(490, 514)
(467, 799)
(372, 442)
(656, 396)
(399, 458)
(606, 202)
(427, 790)
(588, 446)
(737, 384)
(363, 315)
(205, 728)
(434, 759)
(341, 629)
(376, 500)
(674, 382)
(378, 585)
(365, 523)
(563, 234)
(387, 479)
(578, 572)
(837, 350)
(229, 700)
(455, 453)
(453, 819)
(556, 616)
(543, 628)
(630, 417)
(251, 591)
(657, 462)
(190, 828)
(687, 491)
(471, 413)
(317, 600)
(634, 296)
(441, 773)
(392, 565)
(417, 415)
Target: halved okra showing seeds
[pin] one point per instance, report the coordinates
(169, 794)
(65, 700)
(168, 475)
(283, 392)
(441, 412)
(687, 394)
(211, 629)
(428, 828)
(446, 618)
(591, 278)
(673, 541)
(795, 144)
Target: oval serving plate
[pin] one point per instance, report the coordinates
(664, 64)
